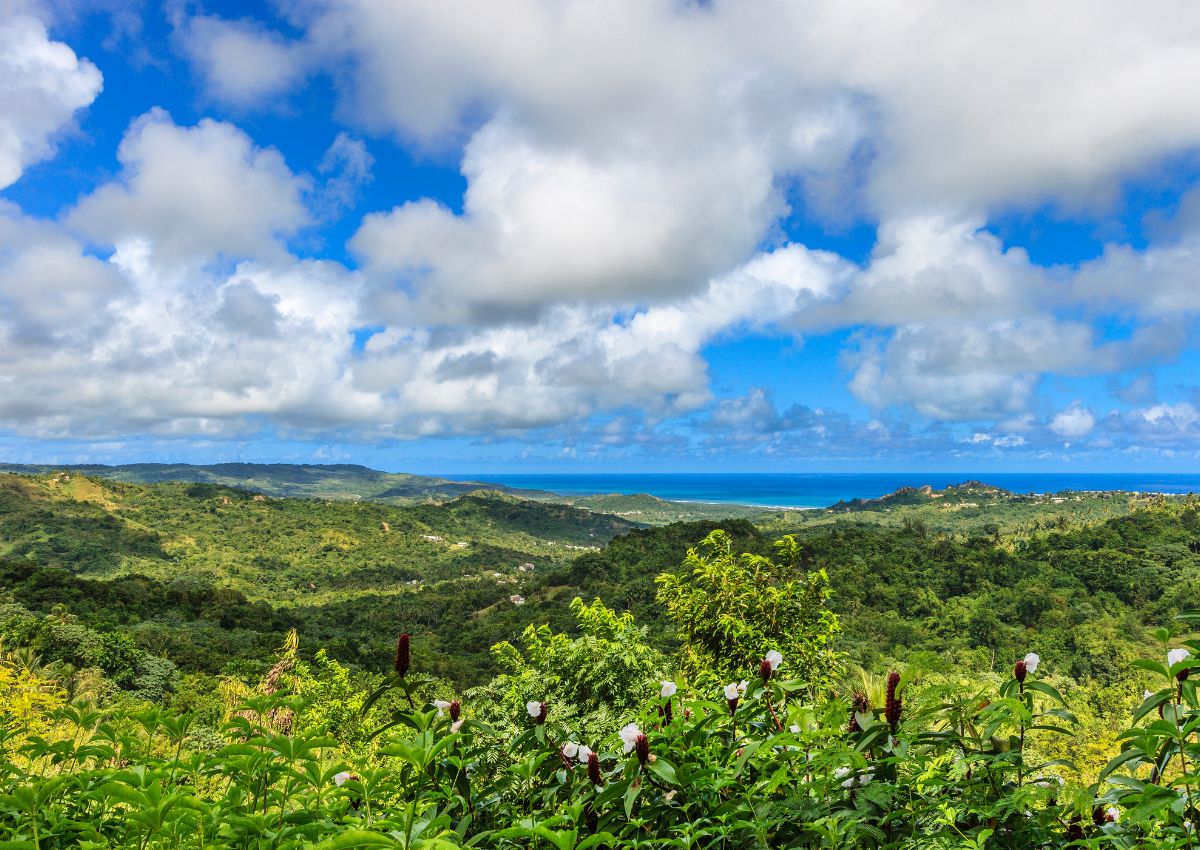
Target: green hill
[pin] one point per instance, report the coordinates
(351, 482)
(323, 481)
(209, 575)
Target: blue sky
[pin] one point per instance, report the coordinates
(639, 235)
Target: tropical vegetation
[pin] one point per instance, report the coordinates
(868, 677)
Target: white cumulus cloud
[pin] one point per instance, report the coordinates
(240, 62)
(192, 193)
(43, 84)
(1074, 422)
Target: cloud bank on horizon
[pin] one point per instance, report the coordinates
(641, 232)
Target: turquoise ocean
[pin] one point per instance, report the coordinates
(818, 490)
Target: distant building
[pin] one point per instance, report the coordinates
(516, 599)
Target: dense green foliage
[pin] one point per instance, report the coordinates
(951, 764)
(208, 576)
(212, 578)
(175, 597)
(593, 679)
(731, 610)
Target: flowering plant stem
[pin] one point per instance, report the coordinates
(771, 708)
(1183, 762)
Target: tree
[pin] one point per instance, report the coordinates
(731, 610)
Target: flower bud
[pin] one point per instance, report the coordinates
(1178, 656)
(764, 671)
(402, 654)
(1019, 672)
(593, 769)
(455, 710)
(1074, 829)
(641, 746)
(668, 713)
(859, 704)
(894, 704)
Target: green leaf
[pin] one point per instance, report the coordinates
(1067, 763)
(388, 683)
(631, 794)
(1152, 666)
(664, 770)
(358, 838)
(1043, 688)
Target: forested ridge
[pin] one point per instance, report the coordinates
(209, 575)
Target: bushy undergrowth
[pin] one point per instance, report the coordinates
(752, 764)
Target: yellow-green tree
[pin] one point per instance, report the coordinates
(731, 610)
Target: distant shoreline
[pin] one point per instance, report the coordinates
(820, 491)
(767, 507)
(721, 502)
(747, 492)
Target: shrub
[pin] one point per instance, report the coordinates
(730, 610)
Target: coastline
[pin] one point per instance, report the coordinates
(818, 491)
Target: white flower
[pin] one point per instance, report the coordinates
(629, 734)
(774, 659)
(732, 691)
(668, 690)
(570, 749)
(794, 729)
(742, 685)
(849, 781)
(1177, 655)
(534, 708)
(456, 725)
(584, 752)
(1147, 694)
(441, 705)
(1032, 660)
(340, 778)
(1113, 814)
